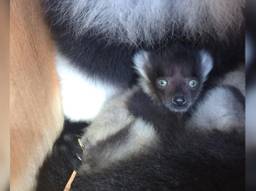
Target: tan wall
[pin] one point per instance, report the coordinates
(35, 112)
(4, 94)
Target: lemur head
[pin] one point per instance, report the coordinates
(173, 77)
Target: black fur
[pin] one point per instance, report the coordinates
(95, 56)
(92, 54)
(185, 160)
(59, 165)
(189, 162)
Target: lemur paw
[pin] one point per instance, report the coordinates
(69, 144)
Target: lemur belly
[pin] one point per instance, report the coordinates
(82, 96)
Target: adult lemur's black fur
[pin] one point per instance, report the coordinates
(97, 39)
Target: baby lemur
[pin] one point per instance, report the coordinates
(170, 81)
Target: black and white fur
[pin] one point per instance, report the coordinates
(223, 105)
(178, 65)
(178, 159)
(96, 53)
(136, 143)
(148, 21)
(97, 39)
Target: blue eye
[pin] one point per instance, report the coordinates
(162, 83)
(193, 83)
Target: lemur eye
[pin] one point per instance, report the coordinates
(162, 83)
(193, 83)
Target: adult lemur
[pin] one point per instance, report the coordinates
(97, 39)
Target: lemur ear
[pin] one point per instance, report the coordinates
(140, 60)
(206, 63)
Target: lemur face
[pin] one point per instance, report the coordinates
(175, 90)
(173, 77)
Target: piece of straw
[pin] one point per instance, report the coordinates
(74, 173)
(70, 181)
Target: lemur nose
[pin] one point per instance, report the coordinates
(179, 100)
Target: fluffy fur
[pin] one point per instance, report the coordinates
(222, 107)
(149, 20)
(179, 64)
(175, 158)
(99, 37)
(133, 136)
(134, 144)
(235, 78)
(185, 162)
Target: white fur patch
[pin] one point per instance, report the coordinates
(142, 133)
(133, 21)
(140, 59)
(112, 118)
(82, 96)
(142, 136)
(219, 109)
(206, 63)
